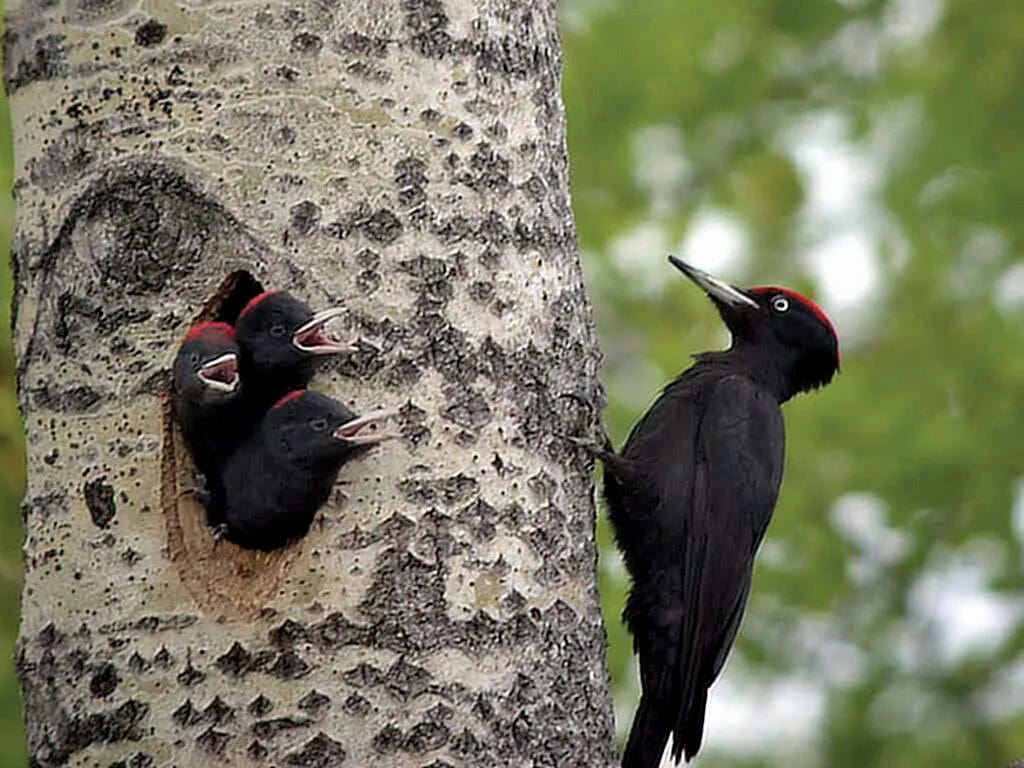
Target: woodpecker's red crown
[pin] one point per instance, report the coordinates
(255, 300)
(210, 329)
(293, 395)
(812, 307)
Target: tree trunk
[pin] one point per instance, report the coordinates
(406, 159)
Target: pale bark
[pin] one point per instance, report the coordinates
(406, 158)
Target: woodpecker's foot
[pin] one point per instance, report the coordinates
(599, 445)
(600, 448)
(220, 533)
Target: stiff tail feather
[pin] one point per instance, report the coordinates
(648, 736)
(689, 731)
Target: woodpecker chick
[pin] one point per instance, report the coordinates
(284, 473)
(282, 340)
(691, 494)
(207, 389)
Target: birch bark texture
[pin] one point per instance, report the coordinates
(406, 159)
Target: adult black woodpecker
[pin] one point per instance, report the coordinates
(207, 388)
(691, 493)
(281, 341)
(277, 480)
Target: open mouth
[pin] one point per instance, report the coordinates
(364, 430)
(221, 373)
(314, 338)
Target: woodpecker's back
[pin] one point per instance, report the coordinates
(689, 499)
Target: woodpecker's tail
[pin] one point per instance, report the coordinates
(690, 729)
(648, 736)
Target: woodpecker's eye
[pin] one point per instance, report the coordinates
(194, 358)
(780, 303)
(318, 425)
(277, 331)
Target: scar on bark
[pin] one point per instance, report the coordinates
(223, 578)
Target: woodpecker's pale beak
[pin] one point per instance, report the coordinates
(718, 290)
(221, 373)
(362, 430)
(313, 338)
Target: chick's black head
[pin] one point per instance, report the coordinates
(310, 429)
(206, 366)
(279, 332)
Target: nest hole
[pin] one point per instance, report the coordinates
(224, 579)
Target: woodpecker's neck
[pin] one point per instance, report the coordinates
(761, 366)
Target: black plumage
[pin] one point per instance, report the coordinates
(281, 341)
(277, 480)
(691, 494)
(207, 391)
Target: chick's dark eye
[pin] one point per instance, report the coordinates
(194, 358)
(277, 331)
(780, 304)
(318, 425)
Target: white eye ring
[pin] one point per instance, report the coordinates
(780, 303)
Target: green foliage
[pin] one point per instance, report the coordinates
(927, 413)
(12, 480)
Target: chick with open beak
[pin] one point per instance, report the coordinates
(281, 341)
(281, 476)
(207, 394)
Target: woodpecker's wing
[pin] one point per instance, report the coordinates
(739, 458)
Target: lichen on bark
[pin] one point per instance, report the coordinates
(407, 160)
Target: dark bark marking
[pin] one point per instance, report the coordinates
(46, 506)
(388, 740)
(336, 631)
(260, 706)
(46, 59)
(289, 666)
(104, 681)
(488, 171)
(86, 12)
(406, 681)
(356, 705)
(427, 23)
(268, 729)
(138, 760)
(236, 662)
(397, 529)
(315, 703)
(425, 737)
(307, 43)
(449, 491)
(65, 158)
(319, 752)
(150, 34)
(288, 633)
(99, 498)
(187, 715)
(363, 675)
(213, 742)
(217, 712)
(54, 734)
(305, 217)
(257, 751)
(77, 398)
(190, 676)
